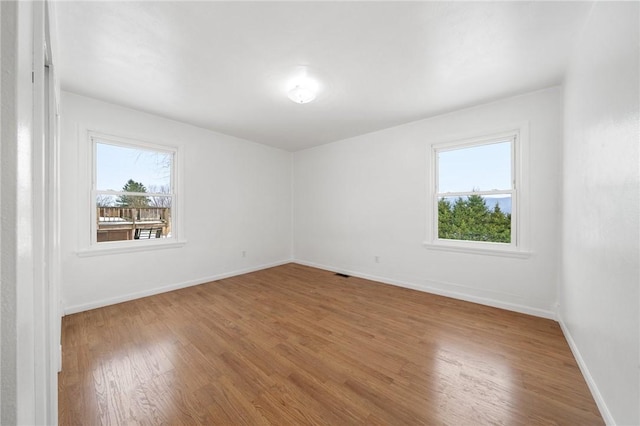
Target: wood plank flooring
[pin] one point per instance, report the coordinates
(294, 345)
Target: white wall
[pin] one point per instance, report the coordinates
(11, 258)
(599, 306)
(28, 380)
(366, 196)
(237, 197)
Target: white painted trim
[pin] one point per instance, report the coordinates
(132, 296)
(593, 387)
(484, 250)
(44, 379)
(432, 288)
(520, 188)
(2, 259)
(52, 190)
(129, 142)
(85, 146)
(97, 137)
(118, 248)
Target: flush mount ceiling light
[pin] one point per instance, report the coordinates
(302, 87)
(301, 94)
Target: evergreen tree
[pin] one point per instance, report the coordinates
(133, 201)
(472, 220)
(500, 225)
(445, 219)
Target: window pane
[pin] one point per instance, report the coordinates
(477, 168)
(118, 165)
(475, 218)
(128, 217)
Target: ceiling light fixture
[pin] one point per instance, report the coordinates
(302, 86)
(302, 94)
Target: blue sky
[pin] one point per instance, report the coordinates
(484, 168)
(117, 164)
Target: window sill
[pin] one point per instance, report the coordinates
(129, 248)
(518, 254)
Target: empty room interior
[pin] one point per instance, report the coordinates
(331, 213)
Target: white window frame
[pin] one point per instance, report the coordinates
(176, 240)
(518, 135)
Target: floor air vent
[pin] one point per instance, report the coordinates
(342, 275)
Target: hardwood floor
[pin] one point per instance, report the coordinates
(294, 345)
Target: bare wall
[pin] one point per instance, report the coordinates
(237, 197)
(599, 289)
(367, 196)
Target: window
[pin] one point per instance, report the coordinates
(476, 193)
(133, 199)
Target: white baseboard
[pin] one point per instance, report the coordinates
(595, 392)
(137, 295)
(602, 406)
(434, 288)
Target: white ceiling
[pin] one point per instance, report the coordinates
(225, 66)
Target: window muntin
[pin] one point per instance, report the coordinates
(133, 193)
(475, 192)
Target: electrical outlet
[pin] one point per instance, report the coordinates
(244, 253)
(376, 259)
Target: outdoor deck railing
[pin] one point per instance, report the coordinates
(121, 223)
(119, 214)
